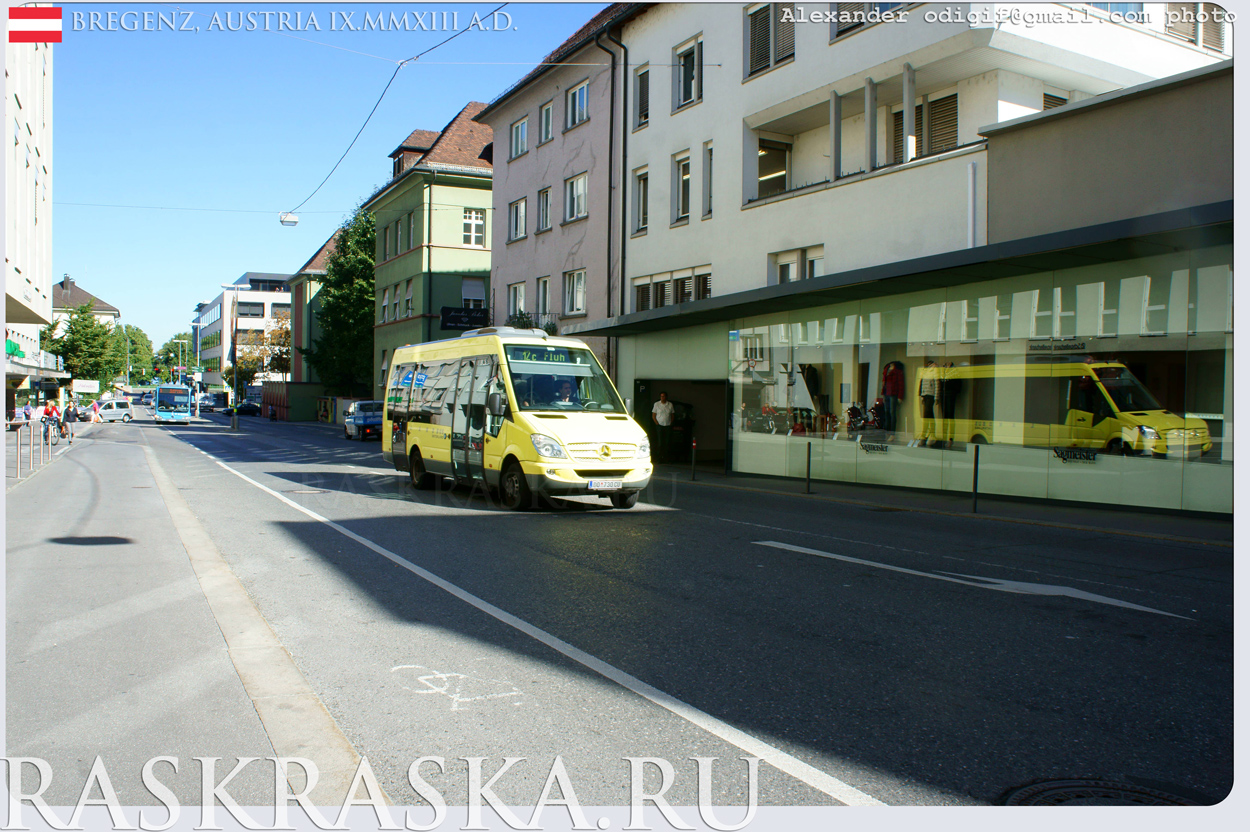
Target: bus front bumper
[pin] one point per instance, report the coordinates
(554, 479)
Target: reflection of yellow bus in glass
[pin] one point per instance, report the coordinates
(516, 410)
(1073, 404)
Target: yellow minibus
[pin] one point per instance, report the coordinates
(518, 410)
(1074, 403)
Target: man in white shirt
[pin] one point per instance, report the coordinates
(662, 416)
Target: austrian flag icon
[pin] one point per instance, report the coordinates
(34, 24)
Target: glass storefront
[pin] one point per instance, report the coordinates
(1107, 383)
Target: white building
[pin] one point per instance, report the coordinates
(27, 214)
(259, 301)
(68, 296)
(821, 202)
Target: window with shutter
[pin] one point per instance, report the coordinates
(850, 17)
(898, 134)
(1050, 102)
(944, 124)
(761, 34)
(1181, 21)
(642, 297)
(784, 27)
(660, 294)
(644, 97)
(683, 290)
(1212, 23)
(702, 286)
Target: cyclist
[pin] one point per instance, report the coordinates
(52, 419)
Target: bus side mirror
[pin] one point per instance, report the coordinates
(495, 405)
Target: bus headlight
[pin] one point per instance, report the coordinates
(547, 447)
(644, 450)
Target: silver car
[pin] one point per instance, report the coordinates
(114, 410)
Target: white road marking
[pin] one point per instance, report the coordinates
(1016, 587)
(775, 757)
(461, 688)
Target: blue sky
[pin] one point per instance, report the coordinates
(247, 121)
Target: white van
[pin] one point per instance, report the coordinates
(113, 410)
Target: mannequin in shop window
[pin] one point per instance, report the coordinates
(928, 395)
(892, 385)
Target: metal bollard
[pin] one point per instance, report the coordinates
(694, 447)
(808, 490)
(976, 471)
(17, 453)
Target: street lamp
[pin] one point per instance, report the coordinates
(196, 325)
(181, 361)
(234, 347)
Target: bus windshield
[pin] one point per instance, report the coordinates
(1126, 391)
(559, 378)
(173, 399)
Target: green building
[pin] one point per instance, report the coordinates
(432, 266)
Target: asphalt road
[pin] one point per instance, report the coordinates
(889, 656)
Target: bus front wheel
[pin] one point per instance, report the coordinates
(624, 500)
(421, 478)
(513, 487)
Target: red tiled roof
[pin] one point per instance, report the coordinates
(462, 141)
(318, 261)
(417, 140)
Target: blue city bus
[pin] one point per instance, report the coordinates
(173, 403)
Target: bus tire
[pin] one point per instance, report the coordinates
(1116, 447)
(626, 500)
(422, 480)
(514, 490)
(978, 439)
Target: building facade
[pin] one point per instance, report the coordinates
(432, 267)
(556, 254)
(28, 174)
(840, 225)
(259, 302)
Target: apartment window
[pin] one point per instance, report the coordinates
(1050, 102)
(475, 227)
(544, 209)
(660, 294)
(943, 128)
(576, 103)
(688, 73)
(642, 297)
(814, 265)
(683, 289)
(681, 189)
(769, 36)
(386, 301)
(544, 123)
(642, 196)
(386, 243)
(251, 310)
(787, 272)
(408, 299)
(516, 298)
(382, 372)
(575, 197)
(899, 138)
(516, 220)
(542, 303)
(852, 16)
(395, 305)
(642, 95)
(707, 181)
(774, 167)
(472, 292)
(575, 292)
(702, 286)
(519, 140)
(407, 221)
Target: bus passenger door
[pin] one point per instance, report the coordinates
(1087, 421)
(460, 410)
(492, 443)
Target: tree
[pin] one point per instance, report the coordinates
(174, 354)
(343, 356)
(140, 347)
(275, 347)
(88, 346)
(249, 368)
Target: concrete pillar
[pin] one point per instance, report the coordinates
(870, 125)
(835, 136)
(909, 113)
(750, 164)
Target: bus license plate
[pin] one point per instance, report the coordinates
(605, 485)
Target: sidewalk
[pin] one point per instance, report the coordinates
(13, 437)
(1198, 528)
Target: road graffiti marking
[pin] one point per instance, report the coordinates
(461, 688)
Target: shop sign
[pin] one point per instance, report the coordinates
(1067, 455)
(463, 318)
(872, 447)
(1075, 346)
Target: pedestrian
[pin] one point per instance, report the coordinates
(95, 412)
(71, 416)
(662, 416)
(54, 418)
(27, 410)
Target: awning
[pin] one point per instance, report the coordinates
(1157, 234)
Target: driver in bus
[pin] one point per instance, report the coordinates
(566, 393)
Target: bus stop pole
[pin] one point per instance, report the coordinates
(694, 447)
(808, 489)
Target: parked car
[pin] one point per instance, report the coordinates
(245, 409)
(114, 410)
(148, 398)
(362, 420)
(208, 403)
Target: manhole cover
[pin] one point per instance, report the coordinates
(1091, 793)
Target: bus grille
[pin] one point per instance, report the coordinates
(595, 450)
